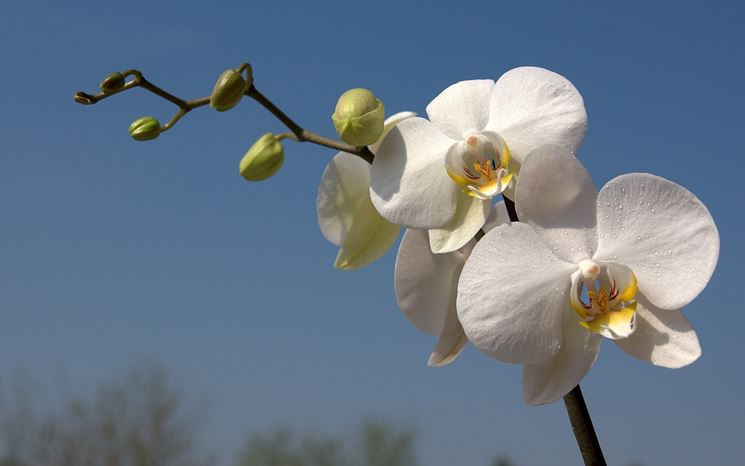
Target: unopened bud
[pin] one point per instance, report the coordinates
(83, 98)
(144, 128)
(358, 117)
(229, 89)
(263, 159)
(112, 83)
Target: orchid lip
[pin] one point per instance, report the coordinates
(480, 165)
(603, 296)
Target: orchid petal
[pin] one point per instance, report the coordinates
(462, 108)
(662, 337)
(368, 238)
(388, 125)
(451, 343)
(425, 282)
(448, 348)
(344, 184)
(532, 107)
(409, 184)
(470, 215)
(550, 380)
(511, 294)
(662, 232)
(557, 196)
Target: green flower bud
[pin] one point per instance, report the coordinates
(358, 117)
(228, 90)
(144, 128)
(263, 159)
(112, 83)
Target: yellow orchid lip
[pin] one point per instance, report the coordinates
(480, 165)
(604, 300)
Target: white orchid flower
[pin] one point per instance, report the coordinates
(346, 214)
(426, 288)
(619, 263)
(441, 174)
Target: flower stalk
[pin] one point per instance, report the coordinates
(299, 133)
(584, 432)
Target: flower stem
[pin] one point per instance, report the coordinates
(303, 135)
(584, 432)
(299, 133)
(579, 416)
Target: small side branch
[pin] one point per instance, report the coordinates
(298, 133)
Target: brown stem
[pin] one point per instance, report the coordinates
(303, 135)
(185, 106)
(584, 432)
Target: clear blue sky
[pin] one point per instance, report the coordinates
(112, 250)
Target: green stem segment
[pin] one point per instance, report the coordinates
(579, 416)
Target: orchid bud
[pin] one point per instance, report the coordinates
(84, 99)
(112, 83)
(228, 90)
(144, 128)
(358, 117)
(263, 159)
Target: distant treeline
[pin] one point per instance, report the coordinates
(142, 419)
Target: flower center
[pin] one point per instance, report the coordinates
(480, 164)
(603, 297)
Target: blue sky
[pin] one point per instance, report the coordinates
(113, 250)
